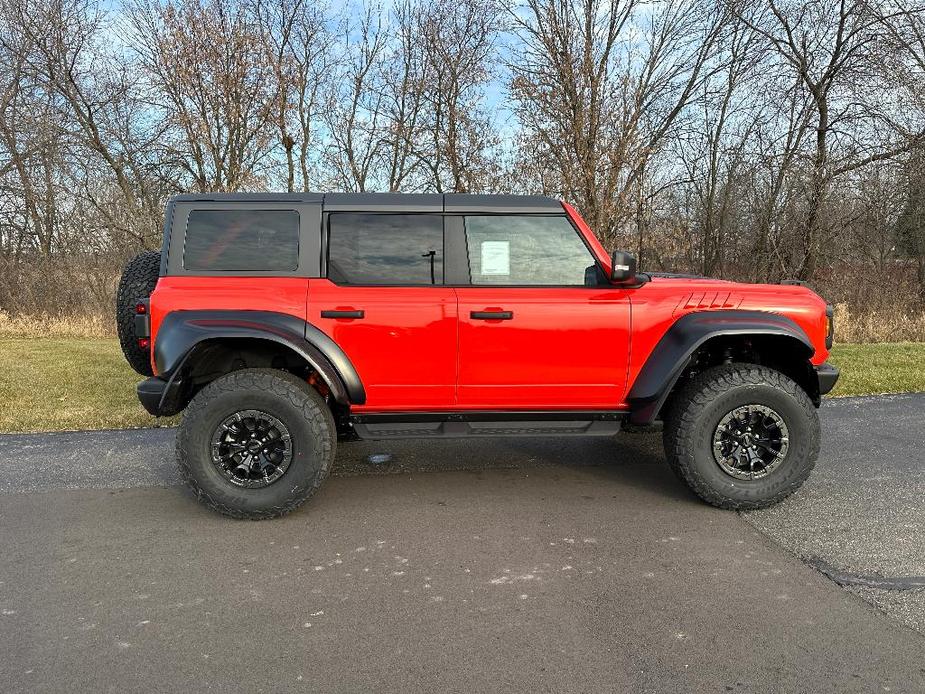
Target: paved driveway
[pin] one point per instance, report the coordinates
(566, 565)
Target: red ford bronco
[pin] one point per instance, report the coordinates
(281, 323)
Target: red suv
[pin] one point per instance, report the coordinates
(282, 323)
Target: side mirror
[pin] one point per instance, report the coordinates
(622, 267)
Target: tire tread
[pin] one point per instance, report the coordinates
(680, 426)
(276, 382)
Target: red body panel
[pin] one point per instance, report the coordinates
(188, 293)
(404, 347)
(564, 348)
(659, 303)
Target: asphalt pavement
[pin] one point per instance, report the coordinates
(861, 517)
(487, 565)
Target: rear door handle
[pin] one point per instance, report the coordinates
(491, 315)
(343, 314)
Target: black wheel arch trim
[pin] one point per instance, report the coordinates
(677, 346)
(181, 332)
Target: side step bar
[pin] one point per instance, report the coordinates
(415, 425)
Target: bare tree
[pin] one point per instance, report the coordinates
(829, 46)
(28, 134)
(297, 43)
(62, 56)
(403, 82)
(712, 146)
(355, 114)
(910, 226)
(211, 82)
(598, 84)
(905, 36)
(459, 39)
(778, 146)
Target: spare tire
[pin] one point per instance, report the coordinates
(137, 282)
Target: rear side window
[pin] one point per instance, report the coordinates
(404, 249)
(527, 250)
(242, 240)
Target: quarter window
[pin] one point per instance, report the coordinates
(242, 240)
(526, 250)
(404, 249)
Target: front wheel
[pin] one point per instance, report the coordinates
(742, 436)
(256, 443)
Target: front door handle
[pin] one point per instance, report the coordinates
(491, 315)
(343, 314)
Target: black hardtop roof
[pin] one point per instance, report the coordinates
(393, 202)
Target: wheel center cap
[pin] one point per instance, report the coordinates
(253, 446)
(750, 441)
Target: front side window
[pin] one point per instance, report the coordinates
(526, 250)
(369, 248)
(242, 240)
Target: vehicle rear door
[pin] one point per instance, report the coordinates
(539, 326)
(384, 301)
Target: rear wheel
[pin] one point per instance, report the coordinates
(742, 436)
(137, 282)
(256, 443)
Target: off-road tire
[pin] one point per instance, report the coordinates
(285, 397)
(137, 282)
(696, 412)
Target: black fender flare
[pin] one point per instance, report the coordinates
(677, 346)
(181, 332)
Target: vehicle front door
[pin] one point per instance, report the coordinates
(539, 326)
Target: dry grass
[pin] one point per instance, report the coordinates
(46, 325)
(896, 325)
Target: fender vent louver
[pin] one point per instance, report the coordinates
(706, 300)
